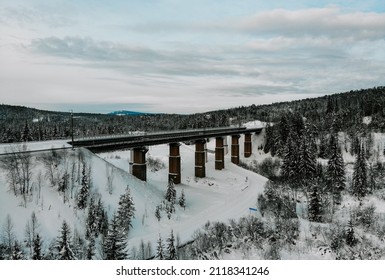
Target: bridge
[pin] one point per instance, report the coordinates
(139, 143)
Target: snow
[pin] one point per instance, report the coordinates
(367, 120)
(221, 196)
(34, 146)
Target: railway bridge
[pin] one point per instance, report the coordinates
(139, 143)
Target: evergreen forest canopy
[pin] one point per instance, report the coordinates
(343, 111)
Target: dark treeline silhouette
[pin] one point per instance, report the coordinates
(343, 110)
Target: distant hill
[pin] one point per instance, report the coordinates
(127, 113)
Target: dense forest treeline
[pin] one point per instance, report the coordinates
(343, 110)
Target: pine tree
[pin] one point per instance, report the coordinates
(84, 190)
(157, 213)
(64, 243)
(63, 185)
(90, 248)
(26, 135)
(315, 205)
(290, 164)
(171, 251)
(17, 253)
(37, 248)
(101, 218)
(126, 211)
(351, 239)
(360, 187)
(160, 249)
(182, 200)
(335, 174)
(91, 223)
(307, 160)
(115, 242)
(171, 192)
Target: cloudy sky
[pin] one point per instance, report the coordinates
(179, 56)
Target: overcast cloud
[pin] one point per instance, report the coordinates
(185, 57)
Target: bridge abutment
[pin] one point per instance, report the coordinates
(248, 145)
(139, 167)
(235, 149)
(200, 159)
(174, 163)
(219, 153)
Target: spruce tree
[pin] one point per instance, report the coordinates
(157, 213)
(171, 251)
(360, 187)
(291, 161)
(17, 253)
(91, 224)
(315, 205)
(90, 248)
(115, 242)
(84, 190)
(182, 200)
(37, 248)
(171, 192)
(307, 160)
(335, 174)
(101, 218)
(64, 243)
(351, 239)
(126, 211)
(160, 249)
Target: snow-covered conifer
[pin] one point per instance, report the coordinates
(84, 190)
(37, 254)
(171, 251)
(315, 205)
(182, 200)
(360, 187)
(160, 249)
(64, 243)
(126, 211)
(157, 213)
(351, 239)
(335, 174)
(17, 253)
(171, 192)
(115, 242)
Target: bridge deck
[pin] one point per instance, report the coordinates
(134, 141)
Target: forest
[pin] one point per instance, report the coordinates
(343, 110)
(325, 165)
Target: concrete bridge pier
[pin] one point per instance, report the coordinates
(219, 153)
(174, 173)
(248, 147)
(200, 160)
(139, 167)
(235, 149)
(225, 145)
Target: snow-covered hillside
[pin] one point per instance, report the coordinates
(220, 196)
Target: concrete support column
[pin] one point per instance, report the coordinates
(225, 145)
(200, 161)
(174, 173)
(139, 168)
(206, 157)
(235, 149)
(219, 154)
(248, 145)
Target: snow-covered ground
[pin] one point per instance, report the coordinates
(34, 146)
(220, 196)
